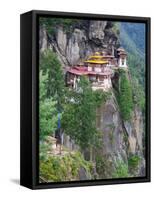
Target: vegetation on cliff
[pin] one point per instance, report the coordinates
(47, 109)
(51, 90)
(121, 170)
(51, 67)
(79, 116)
(125, 96)
(132, 38)
(64, 168)
(51, 24)
(78, 110)
(133, 163)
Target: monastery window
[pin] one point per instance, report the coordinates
(101, 78)
(123, 61)
(97, 69)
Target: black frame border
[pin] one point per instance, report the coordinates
(33, 166)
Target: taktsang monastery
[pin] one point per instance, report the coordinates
(99, 68)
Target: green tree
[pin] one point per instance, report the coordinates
(49, 64)
(79, 117)
(47, 110)
(125, 97)
(133, 162)
(138, 94)
(121, 170)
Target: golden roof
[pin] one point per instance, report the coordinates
(98, 58)
(97, 61)
(102, 57)
(97, 53)
(95, 56)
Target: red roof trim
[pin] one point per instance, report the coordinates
(77, 72)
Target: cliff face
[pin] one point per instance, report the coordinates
(72, 47)
(121, 140)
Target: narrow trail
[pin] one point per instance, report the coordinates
(57, 150)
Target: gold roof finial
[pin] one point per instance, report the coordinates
(97, 53)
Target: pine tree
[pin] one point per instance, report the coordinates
(50, 65)
(47, 110)
(125, 97)
(79, 117)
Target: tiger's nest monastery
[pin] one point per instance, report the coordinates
(99, 68)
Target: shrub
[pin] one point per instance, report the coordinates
(134, 161)
(121, 170)
(43, 149)
(101, 96)
(100, 166)
(64, 168)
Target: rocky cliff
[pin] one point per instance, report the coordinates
(121, 140)
(122, 146)
(82, 40)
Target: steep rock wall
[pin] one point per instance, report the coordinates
(120, 139)
(81, 42)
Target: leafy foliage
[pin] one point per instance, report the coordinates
(121, 170)
(43, 149)
(79, 118)
(103, 166)
(125, 97)
(101, 97)
(49, 64)
(64, 168)
(134, 161)
(48, 118)
(47, 110)
(137, 68)
(138, 94)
